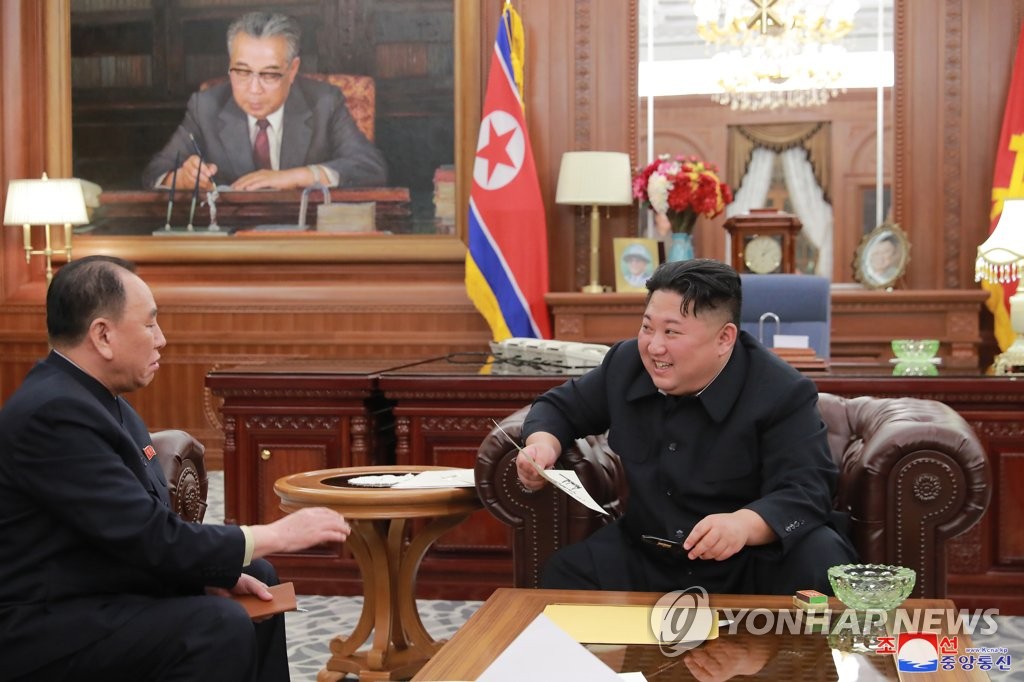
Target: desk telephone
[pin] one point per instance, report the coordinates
(519, 355)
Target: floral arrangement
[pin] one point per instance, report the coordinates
(682, 189)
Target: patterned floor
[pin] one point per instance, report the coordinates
(310, 632)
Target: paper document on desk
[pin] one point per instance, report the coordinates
(630, 624)
(439, 478)
(569, 483)
(543, 652)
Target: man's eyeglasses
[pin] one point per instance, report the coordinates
(268, 79)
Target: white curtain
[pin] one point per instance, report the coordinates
(809, 203)
(753, 190)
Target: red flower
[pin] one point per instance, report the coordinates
(682, 185)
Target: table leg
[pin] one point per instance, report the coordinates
(401, 645)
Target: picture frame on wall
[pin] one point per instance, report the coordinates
(635, 261)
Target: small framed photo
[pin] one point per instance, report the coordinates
(635, 261)
(882, 257)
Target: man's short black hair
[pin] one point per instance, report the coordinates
(703, 283)
(80, 292)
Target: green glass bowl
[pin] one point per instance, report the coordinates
(915, 349)
(871, 586)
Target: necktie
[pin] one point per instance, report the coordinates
(261, 146)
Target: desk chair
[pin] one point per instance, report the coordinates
(360, 95)
(803, 304)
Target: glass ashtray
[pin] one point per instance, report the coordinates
(914, 349)
(871, 586)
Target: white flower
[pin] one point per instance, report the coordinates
(658, 188)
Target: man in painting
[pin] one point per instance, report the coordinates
(884, 259)
(266, 128)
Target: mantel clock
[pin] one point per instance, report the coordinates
(763, 242)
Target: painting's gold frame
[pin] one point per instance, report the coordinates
(333, 248)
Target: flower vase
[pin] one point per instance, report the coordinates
(681, 247)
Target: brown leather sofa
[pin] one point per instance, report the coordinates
(912, 475)
(182, 459)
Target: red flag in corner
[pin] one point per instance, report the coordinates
(507, 261)
(1008, 183)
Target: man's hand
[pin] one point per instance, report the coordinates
(542, 448)
(293, 178)
(186, 176)
(246, 585)
(301, 529)
(719, 536)
(726, 657)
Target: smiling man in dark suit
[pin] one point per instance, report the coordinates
(99, 578)
(267, 128)
(726, 456)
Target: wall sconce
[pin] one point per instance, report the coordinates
(1000, 261)
(595, 179)
(45, 202)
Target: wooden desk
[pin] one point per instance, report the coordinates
(863, 321)
(142, 212)
(388, 553)
(793, 657)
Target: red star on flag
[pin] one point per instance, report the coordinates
(496, 150)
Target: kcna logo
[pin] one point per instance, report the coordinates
(918, 652)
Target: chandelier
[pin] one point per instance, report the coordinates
(776, 53)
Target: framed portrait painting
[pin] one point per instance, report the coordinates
(882, 257)
(635, 261)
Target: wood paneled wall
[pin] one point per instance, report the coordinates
(953, 68)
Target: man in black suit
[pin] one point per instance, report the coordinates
(730, 474)
(266, 128)
(99, 578)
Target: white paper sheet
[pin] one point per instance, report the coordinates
(439, 478)
(569, 483)
(791, 341)
(543, 652)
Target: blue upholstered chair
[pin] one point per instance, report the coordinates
(802, 302)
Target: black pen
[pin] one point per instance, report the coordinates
(199, 152)
(170, 194)
(195, 195)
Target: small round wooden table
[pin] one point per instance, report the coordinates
(388, 564)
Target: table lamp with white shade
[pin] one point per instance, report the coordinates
(1001, 261)
(45, 202)
(595, 179)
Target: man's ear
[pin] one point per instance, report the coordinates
(727, 336)
(99, 335)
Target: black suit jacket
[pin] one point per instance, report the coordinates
(87, 537)
(317, 129)
(752, 439)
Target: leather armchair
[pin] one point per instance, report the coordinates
(912, 476)
(182, 459)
